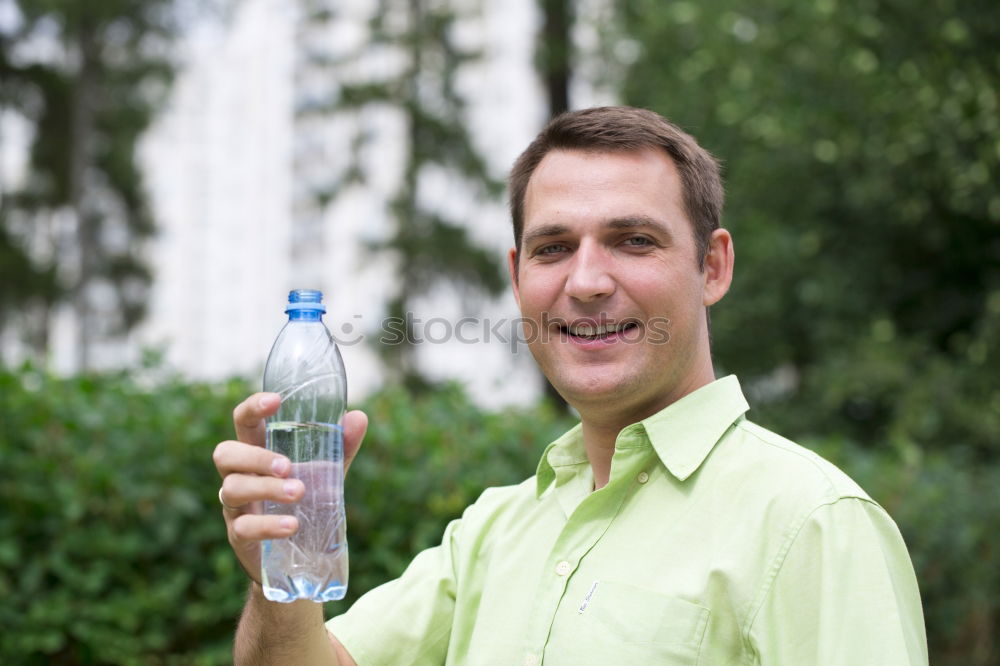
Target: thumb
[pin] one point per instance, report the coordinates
(355, 427)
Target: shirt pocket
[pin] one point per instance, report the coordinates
(632, 624)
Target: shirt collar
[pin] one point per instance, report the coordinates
(682, 434)
(565, 451)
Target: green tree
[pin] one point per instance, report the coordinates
(427, 246)
(88, 76)
(859, 140)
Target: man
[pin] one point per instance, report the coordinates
(666, 528)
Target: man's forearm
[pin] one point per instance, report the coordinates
(271, 633)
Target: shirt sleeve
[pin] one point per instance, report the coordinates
(844, 593)
(407, 620)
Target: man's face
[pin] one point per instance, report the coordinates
(609, 281)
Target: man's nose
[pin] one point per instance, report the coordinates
(590, 277)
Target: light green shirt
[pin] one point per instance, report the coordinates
(714, 542)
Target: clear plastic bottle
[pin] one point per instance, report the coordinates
(305, 368)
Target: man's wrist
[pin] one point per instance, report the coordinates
(273, 633)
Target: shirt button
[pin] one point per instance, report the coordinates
(563, 568)
(530, 660)
(643, 477)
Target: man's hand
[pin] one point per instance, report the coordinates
(251, 474)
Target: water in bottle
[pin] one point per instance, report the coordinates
(306, 370)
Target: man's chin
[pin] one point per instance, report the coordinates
(583, 391)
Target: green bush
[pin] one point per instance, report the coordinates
(112, 549)
(110, 543)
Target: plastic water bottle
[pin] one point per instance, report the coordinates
(306, 370)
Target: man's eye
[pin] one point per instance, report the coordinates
(554, 248)
(638, 241)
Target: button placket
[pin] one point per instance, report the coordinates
(585, 526)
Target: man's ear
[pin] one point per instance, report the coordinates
(512, 257)
(718, 270)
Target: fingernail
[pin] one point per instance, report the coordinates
(286, 523)
(279, 465)
(291, 487)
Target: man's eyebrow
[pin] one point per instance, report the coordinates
(544, 231)
(637, 221)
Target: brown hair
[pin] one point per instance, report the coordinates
(623, 129)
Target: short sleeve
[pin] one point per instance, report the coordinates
(842, 593)
(407, 620)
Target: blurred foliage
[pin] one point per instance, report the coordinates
(113, 550)
(861, 143)
(112, 545)
(87, 77)
(414, 54)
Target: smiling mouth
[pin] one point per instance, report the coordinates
(599, 332)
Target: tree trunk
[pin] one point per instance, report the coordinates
(84, 43)
(555, 51)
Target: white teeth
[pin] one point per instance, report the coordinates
(588, 330)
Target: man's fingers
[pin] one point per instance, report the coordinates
(238, 457)
(253, 527)
(249, 415)
(239, 490)
(355, 427)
